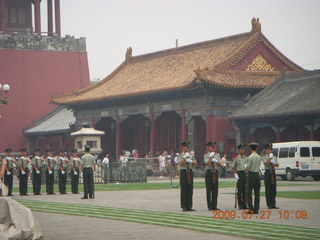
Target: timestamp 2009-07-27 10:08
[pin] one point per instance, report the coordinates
(282, 214)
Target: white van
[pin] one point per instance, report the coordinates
(297, 159)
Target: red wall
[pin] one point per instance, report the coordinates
(33, 78)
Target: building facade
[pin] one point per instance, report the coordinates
(36, 64)
(287, 110)
(154, 101)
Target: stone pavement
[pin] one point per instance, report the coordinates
(166, 200)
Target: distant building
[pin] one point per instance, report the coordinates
(154, 101)
(35, 64)
(287, 110)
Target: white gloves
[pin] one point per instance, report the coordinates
(214, 160)
(245, 166)
(189, 160)
(75, 173)
(211, 154)
(8, 173)
(273, 161)
(23, 172)
(63, 172)
(271, 155)
(37, 171)
(236, 177)
(186, 155)
(50, 172)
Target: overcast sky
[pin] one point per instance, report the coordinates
(111, 26)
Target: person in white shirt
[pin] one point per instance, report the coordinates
(105, 168)
(223, 166)
(162, 165)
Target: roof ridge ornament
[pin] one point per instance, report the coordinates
(129, 53)
(256, 25)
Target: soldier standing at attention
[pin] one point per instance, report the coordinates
(63, 162)
(87, 167)
(253, 166)
(75, 164)
(8, 170)
(50, 162)
(270, 162)
(24, 171)
(211, 160)
(240, 175)
(185, 164)
(37, 162)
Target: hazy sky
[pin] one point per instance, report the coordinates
(111, 26)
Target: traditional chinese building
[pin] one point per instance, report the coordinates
(287, 110)
(156, 100)
(36, 63)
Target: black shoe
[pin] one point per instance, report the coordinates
(184, 210)
(249, 212)
(274, 207)
(210, 209)
(256, 212)
(10, 195)
(84, 198)
(216, 209)
(190, 210)
(269, 207)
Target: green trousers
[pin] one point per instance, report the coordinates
(49, 182)
(88, 183)
(242, 189)
(8, 181)
(212, 190)
(254, 184)
(75, 181)
(36, 181)
(23, 183)
(62, 182)
(186, 190)
(271, 189)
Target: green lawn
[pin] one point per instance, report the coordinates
(298, 194)
(146, 186)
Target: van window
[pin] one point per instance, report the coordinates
(283, 152)
(316, 151)
(275, 151)
(292, 152)
(304, 152)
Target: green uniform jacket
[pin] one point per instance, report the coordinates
(23, 161)
(254, 161)
(239, 162)
(62, 160)
(75, 161)
(87, 160)
(265, 158)
(50, 161)
(9, 161)
(40, 161)
(184, 165)
(207, 158)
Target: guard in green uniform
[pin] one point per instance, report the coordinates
(24, 172)
(87, 167)
(63, 162)
(37, 162)
(270, 163)
(8, 170)
(186, 162)
(240, 175)
(212, 163)
(51, 163)
(253, 166)
(75, 164)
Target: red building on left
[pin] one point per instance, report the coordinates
(36, 64)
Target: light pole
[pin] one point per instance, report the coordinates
(3, 97)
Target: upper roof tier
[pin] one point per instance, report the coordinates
(246, 60)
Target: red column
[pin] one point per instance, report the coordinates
(93, 123)
(3, 16)
(118, 136)
(208, 129)
(57, 16)
(152, 135)
(184, 128)
(278, 135)
(50, 18)
(311, 132)
(37, 17)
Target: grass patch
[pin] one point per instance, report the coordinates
(147, 186)
(298, 194)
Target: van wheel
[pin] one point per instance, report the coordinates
(316, 178)
(289, 175)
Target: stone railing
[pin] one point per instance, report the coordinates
(34, 42)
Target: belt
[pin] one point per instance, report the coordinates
(254, 172)
(242, 171)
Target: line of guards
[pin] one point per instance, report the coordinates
(246, 172)
(80, 166)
